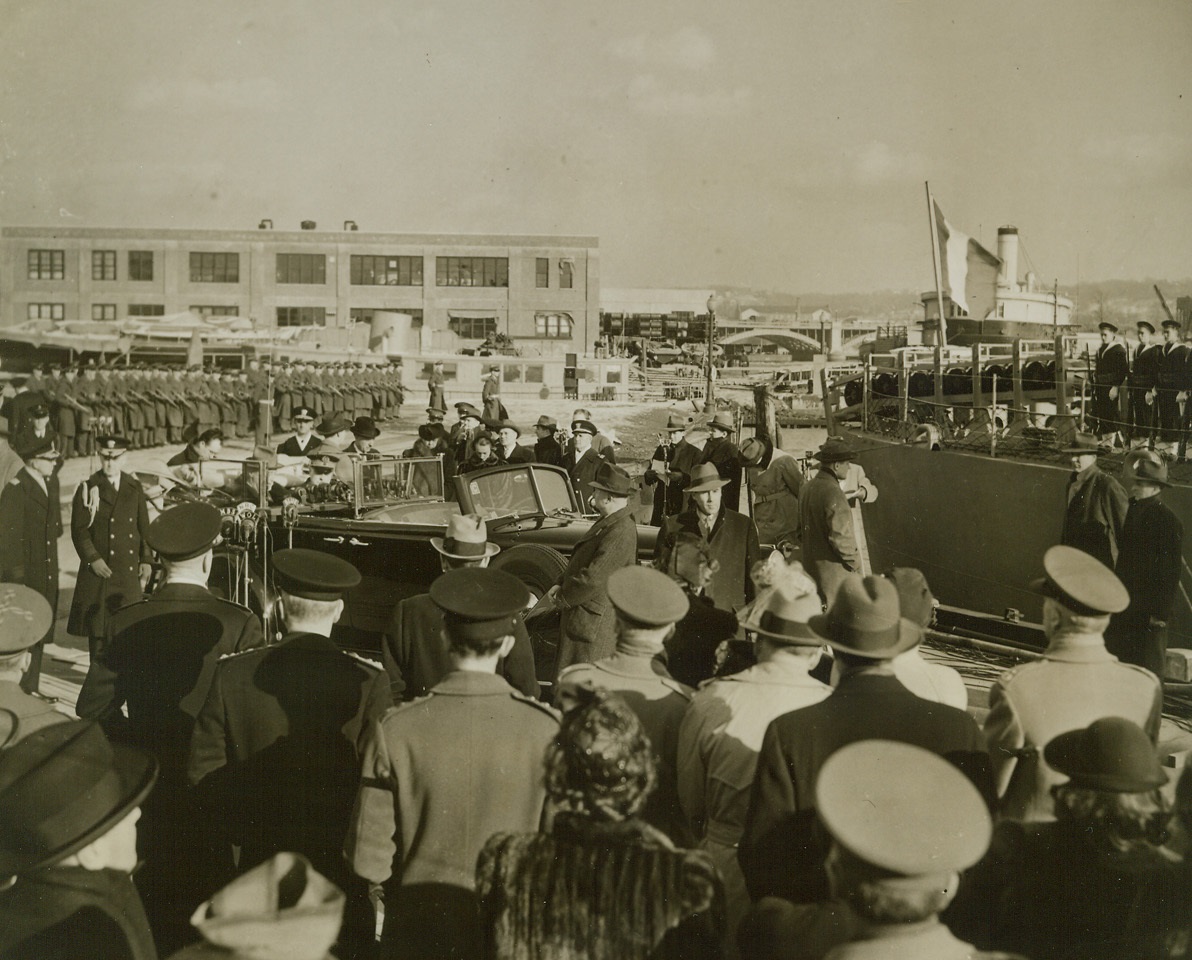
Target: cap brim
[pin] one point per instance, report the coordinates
(705, 486)
(809, 639)
(910, 635)
(490, 550)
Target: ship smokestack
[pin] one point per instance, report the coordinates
(1007, 251)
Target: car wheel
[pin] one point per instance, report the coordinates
(539, 568)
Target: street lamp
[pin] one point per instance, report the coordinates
(708, 398)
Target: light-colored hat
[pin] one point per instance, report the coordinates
(704, 477)
(723, 420)
(25, 617)
(1081, 583)
(1146, 466)
(865, 620)
(466, 539)
(786, 614)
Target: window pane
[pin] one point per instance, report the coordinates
(542, 272)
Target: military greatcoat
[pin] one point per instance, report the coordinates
(107, 524)
(30, 525)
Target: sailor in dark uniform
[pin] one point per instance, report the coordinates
(277, 747)
(1144, 377)
(1171, 385)
(304, 442)
(158, 664)
(1112, 368)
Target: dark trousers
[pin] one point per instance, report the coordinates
(1133, 637)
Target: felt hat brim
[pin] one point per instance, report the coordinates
(910, 635)
(439, 543)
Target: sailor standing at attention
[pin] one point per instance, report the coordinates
(1144, 376)
(1171, 385)
(1111, 369)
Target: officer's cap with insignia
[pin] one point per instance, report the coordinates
(304, 413)
(313, 575)
(109, 448)
(1081, 583)
(185, 531)
(25, 616)
(44, 449)
(645, 597)
(478, 603)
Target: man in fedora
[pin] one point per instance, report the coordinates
(723, 730)
(1111, 368)
(507, 448)
(1150, 556)
(587, 631)
(648, 604)
(303, 443)
(731, 537)
(782, 853)
(547, 448)
(30, 525)
(722, 453)
(676, 458)
(904, 824)
(582, 461)
(413, 651)
(364, 432)
(336, 431)
(775, 479)
(157, 668)
(277, 746)
(69, 804)
(109, 519)
(1096, 503)
(925, 678)
(826, 520)
(25, 618)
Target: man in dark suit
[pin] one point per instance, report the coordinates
(158, 662)
(782, 849)
(589, 622)
(1150, 555)
(109, 518)
(507, 447)
(304, 442)
(826, 521)
(1110, 370)
(275, 757)
(547, 449)
(413, 650)
(731, 538)
(30, 525)
(1096, 504)
(582, 461)
(723, 454)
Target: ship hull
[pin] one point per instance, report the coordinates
(964, 331)
(977, 526)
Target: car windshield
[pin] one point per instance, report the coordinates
(388, 480)
(522, 492)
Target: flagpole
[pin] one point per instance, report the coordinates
(935, 263)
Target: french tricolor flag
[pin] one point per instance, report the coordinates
(968, 272)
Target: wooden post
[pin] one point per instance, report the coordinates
(977, 376)
(829, 411)
(903, 388)
(1016, 375)
(866, 379)
(939, 375)
(1061, 377)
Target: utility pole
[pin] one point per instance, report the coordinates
(708, 397)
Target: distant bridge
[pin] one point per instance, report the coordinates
(786, 338)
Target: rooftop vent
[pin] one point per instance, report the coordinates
(265, 225)
(350, 225)
(309, 225)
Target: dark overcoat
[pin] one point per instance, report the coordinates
(589, 621)
(1112, 367)
(30, 525)
(733, 544)
(116, 534)
(547, 450)
(582, 470)
(723, 454)
(1095, 514)
(782, 849)
(826, 530)
(416, 657)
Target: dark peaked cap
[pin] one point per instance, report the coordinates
(313, 575)
(478, 603)
(185, 531)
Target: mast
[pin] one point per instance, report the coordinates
(935, 263)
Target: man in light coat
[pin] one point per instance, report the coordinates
(1077, 681)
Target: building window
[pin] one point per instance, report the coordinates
(140, 264)
(450, 371)
(386, 271)
(566, 274)
(511, 373)
(210, 311)
(472, 271)
(215, 268)
(103, 264)
(541, 272)
(366, 314)
(473, 328)
(47, 311)
(301, 316)
(47, 264)
(103, 311)
(146, 310)
(534, 373)
(301, 268)
(552, 326)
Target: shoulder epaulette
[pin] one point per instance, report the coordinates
(544, 707)
(242, 653)
(365, 660)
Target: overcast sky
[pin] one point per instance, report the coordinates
(762, 142)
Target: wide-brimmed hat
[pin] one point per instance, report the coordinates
(723, 420)
(1081, 583)
(1111, 754)
(431, 431)
(366, 428)
(834, 450)
(62, 787)
(757, 452)
(676, 421)
(25, 617)
(333, 424)
(466, 539)
(703, 478)
(866, 620)
(1082, 443)
(612, 479)
(1145, 466)
(785, 616)
(902, 808)
(498, 425)
(546, 423)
